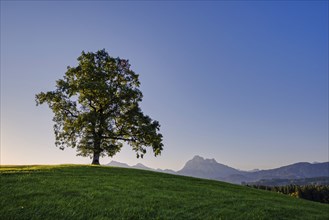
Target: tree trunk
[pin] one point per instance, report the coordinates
(97, 147)
(95, 159)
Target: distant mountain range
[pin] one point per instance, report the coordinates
(211, 169)
(138, 166)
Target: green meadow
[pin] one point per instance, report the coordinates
(98, 192)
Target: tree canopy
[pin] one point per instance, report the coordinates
(96, 108)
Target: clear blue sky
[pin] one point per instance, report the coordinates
(245, 83)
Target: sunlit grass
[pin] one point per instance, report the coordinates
(94, 192)
(26, 168)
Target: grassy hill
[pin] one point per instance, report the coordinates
(95, 192)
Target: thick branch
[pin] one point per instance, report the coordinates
(91, 106)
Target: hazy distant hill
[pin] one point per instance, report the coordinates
(118, 164)
(138, 166)
(141, 167)
(294, 171)
(211, 169)
(166, 171)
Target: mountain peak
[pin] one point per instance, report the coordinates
(206, 168)
(211, 160)
(197, 157)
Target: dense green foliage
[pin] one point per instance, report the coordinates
(95, 192)
(317, 193)
(324, 180)
(96, 108)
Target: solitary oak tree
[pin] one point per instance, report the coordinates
(96, 109)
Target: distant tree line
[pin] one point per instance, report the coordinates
(324, 180)
(317, 193)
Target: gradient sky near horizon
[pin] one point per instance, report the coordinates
(245, 83)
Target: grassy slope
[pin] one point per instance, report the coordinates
(91, 192)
